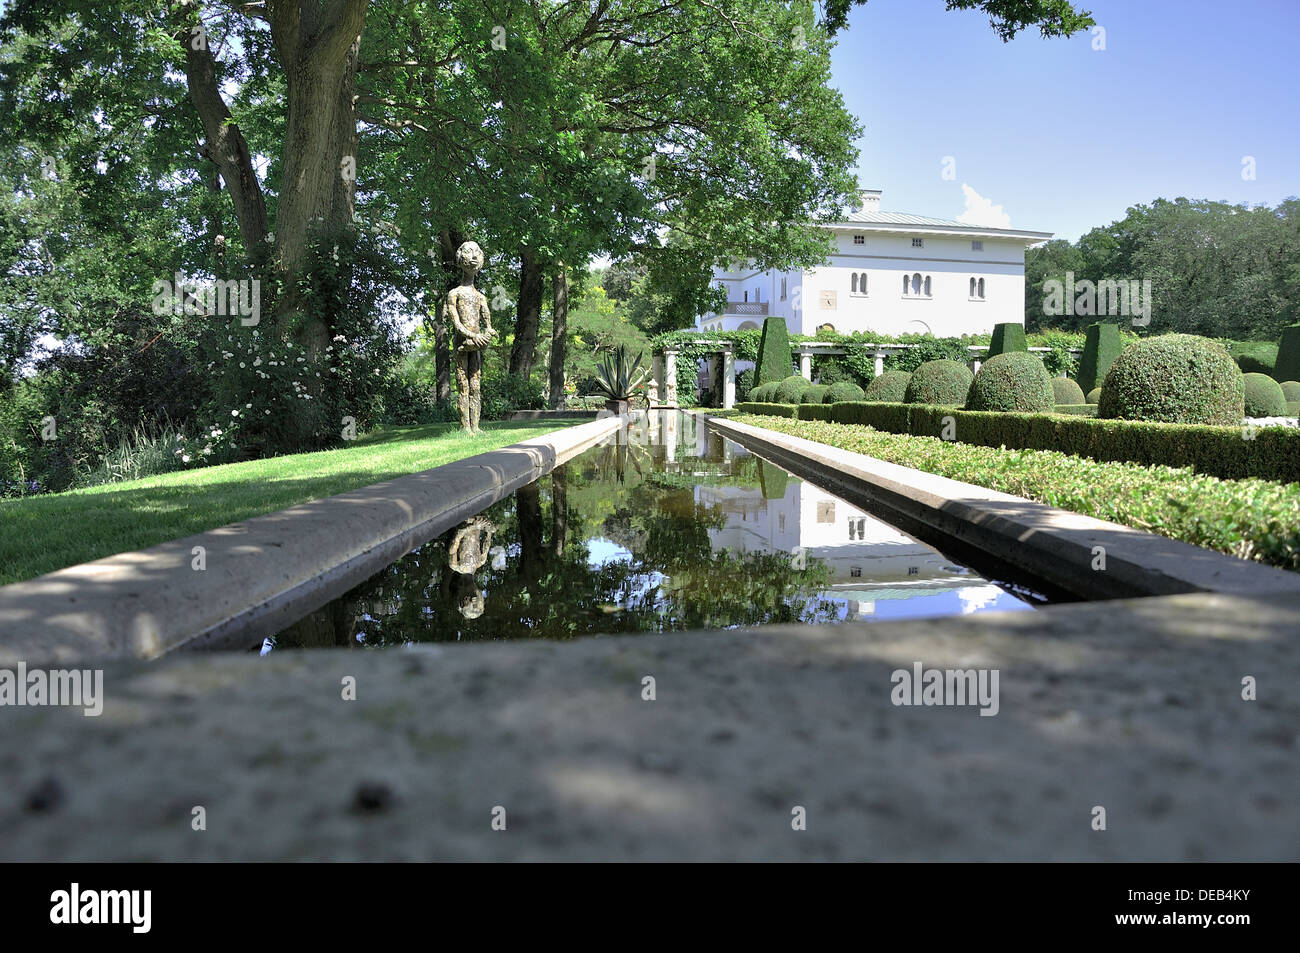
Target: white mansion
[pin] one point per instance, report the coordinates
(891, 273)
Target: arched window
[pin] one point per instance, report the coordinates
(746, 295)
(927, 286)
(905, 284)
(783, 287)
(862, 283)
(853, 289)
(981, 288)
(972, 287)
(916, 284)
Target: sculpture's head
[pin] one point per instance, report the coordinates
(469, 257)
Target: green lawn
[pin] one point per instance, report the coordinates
(43, 533)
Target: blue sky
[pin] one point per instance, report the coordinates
(1065, 137)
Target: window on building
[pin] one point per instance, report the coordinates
(926, 292)
(976, 246)
(918, 243)
(746, 295)
(859, 282)
(972, 287)
(853, 283)
(980, 290)
(906, 284)
(782, 287)
(859, 239)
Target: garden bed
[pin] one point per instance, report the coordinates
(1250, 519)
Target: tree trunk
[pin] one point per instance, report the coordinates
(317, 43)
(528, 314)
(559, 333)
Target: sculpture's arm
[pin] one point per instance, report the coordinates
(486, 314)
(461, 329)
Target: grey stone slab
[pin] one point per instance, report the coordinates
(1132, 705)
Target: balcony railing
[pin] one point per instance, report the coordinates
(746, 307)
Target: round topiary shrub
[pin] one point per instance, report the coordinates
(760, 393)
(890, 387)
(1067, 391)
(1093, 396)
(1174, 378)
(844, 390)
(1291, 390)
(1015, 381)
(813, 393)
(788, 390)
(938, 382)
(1264, 396)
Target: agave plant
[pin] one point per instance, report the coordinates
(618, 378)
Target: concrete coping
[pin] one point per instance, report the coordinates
(264, 573)
(1043, 541)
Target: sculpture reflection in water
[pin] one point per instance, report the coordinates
(661, 528)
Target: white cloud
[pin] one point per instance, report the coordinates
(982, 211)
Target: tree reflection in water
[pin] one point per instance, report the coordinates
(614, 541)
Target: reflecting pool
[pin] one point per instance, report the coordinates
(665, 526)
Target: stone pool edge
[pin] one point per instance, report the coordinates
(263, 573)
(1044, 541)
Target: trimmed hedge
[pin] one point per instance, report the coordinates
(1093, 395)
(1254, 357)
(1264, 396)
(1078, 410)
(938, 382)
(1067, 391)
(1101, 346)
(1174, 378)
(1293, 408)
(788, 390)
(814, 411)
(1270, 453)
(1007, 339)
(775, 360)
(1016, 381)
(1251, 519)
(844, 390)
(1291, 390)
(766, 409)
(813, 393)
(1287, 367)
(890, 386)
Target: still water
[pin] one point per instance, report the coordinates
(665, 526)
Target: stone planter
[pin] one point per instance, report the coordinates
(616, 406)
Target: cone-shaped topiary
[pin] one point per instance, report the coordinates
(774, 358)
(1174, 378)
(1287, 367)
(1264, 396)
(1016, 381)
(788, 391)
(814, 393)
(1291, 389)
(890, 387)
(1101, 346)
(844, 390)
(1094, 395)
(938, 382)
(1007, 338)
(1067, 391)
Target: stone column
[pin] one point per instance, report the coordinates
(728, 379)
(805, 365)
(975, 366)
(880, 362)
(657, 388)
(670, 378)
